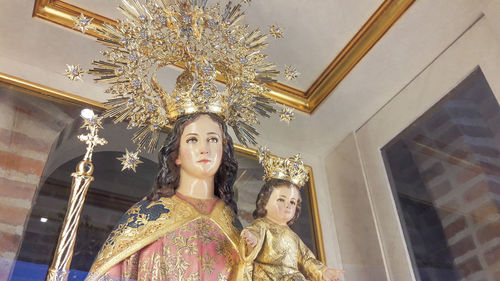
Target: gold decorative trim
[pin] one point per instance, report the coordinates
(377, 25)
(47, 93)
(289, 96)
(35, 89)
(318, 232)
(372, 31)
(62, 13)
(245, 151)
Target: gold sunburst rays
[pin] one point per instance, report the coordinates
(208, 41)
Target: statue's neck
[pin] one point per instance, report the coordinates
(201, 188)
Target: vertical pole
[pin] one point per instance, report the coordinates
(82, 177)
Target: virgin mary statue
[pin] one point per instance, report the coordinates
(185, 229)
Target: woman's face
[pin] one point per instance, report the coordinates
(200, 149)
(282, 204)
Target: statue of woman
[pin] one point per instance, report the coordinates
(184, 230)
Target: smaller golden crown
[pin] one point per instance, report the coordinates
(291, 169)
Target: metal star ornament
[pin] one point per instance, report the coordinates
(95, 122)
(291, 72)
(287, 114)
(276, 31)
(92, 123)
(130, 160)
(74, 72)
(82, 23)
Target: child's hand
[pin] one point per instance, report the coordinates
(332, 274)
(249, 238)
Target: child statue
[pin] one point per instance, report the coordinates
(269, 249)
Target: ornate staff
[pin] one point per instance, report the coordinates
(60, 268)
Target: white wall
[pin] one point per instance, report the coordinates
(477, 46)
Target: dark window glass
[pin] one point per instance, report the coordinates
(444, 171)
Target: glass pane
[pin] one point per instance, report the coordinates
(445, 176)
(110, 194)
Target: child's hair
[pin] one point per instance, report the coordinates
(265, 193)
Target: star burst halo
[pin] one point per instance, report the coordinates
(211, 44)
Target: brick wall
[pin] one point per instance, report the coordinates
(458, 155)
(28, 127)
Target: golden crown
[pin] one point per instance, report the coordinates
(291, 169)
(208, 42)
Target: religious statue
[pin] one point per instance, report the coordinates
(269, 249)
(184, 230)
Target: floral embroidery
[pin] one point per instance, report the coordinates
(178, 244)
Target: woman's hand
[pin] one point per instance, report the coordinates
(332, 274)
(249, 238)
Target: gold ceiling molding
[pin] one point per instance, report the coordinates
(48, 93)
(377, 25)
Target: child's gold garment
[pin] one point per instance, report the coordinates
(279, 255)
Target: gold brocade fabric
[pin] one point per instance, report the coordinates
(279, 255)
(165, 231)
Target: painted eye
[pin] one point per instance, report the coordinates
(213, 140)
(191, 140)
(281, 200)
(293, 203)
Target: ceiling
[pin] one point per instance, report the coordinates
(353, 56)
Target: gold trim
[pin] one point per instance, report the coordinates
(371, 32)
(44, 92)
(245, 151)
(378, 24)
(38, 90)
(62, 13)
(318, 232)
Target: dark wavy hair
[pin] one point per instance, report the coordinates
(265, 193)
(167, 179)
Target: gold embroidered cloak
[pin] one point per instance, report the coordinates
(146, 222)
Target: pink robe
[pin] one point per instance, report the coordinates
(198, 248)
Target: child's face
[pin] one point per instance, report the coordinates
(282, 204)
